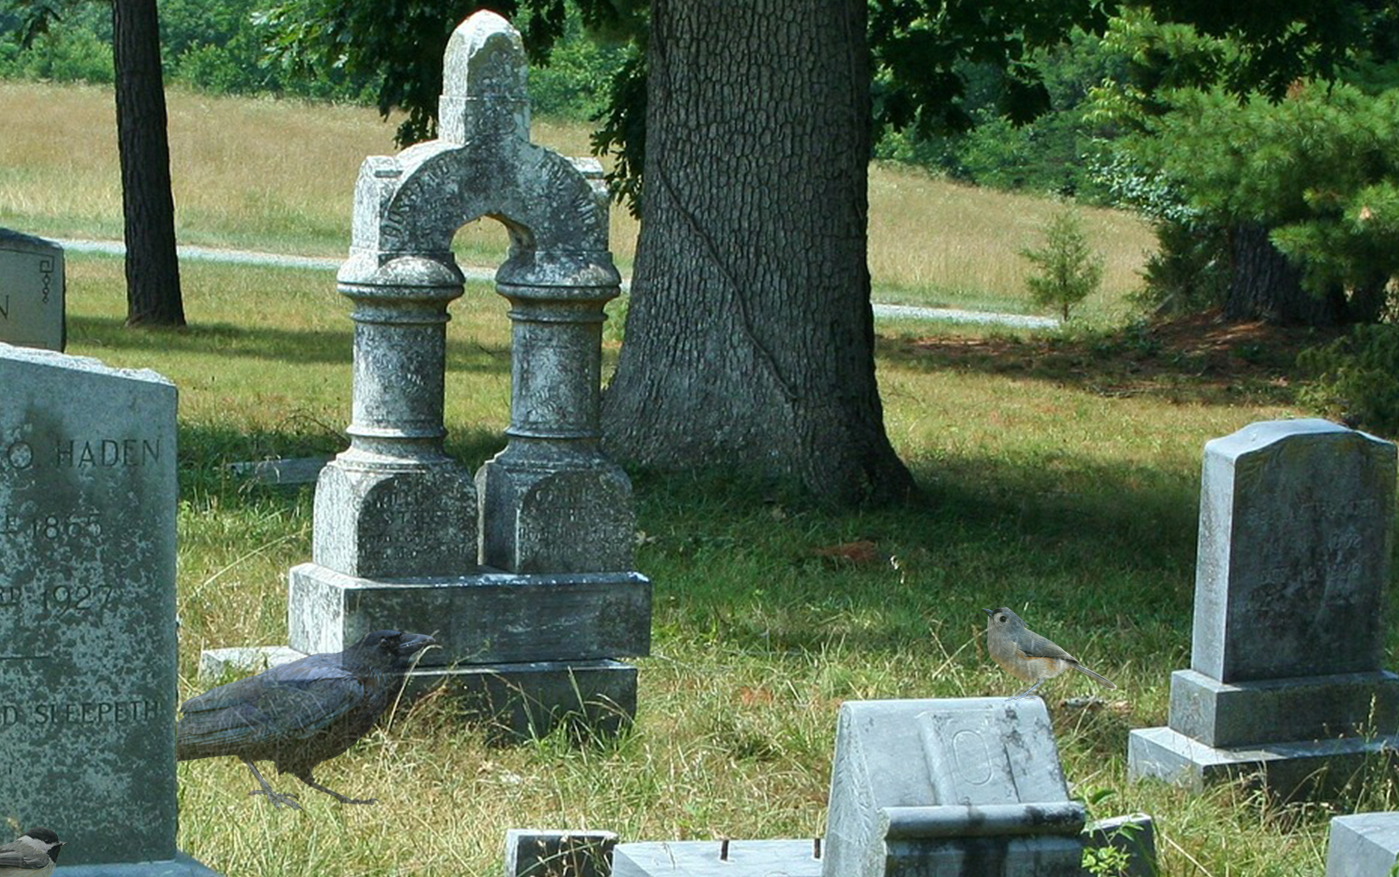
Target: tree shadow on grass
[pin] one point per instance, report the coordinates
(1197, 359)
(1088, 544)
(292, 346)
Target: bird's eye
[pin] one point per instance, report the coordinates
(1001, 619)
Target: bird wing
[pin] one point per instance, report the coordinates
(27, 857)
(1036, 646)
(288, 703)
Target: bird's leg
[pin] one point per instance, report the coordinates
(1027, 691)
(306, 778)
(278, 800)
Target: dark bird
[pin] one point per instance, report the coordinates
(299, 714)
(33, 855)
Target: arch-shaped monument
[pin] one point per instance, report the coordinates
(524, 574)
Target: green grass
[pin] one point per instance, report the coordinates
(1049, 488)
(1043, 493)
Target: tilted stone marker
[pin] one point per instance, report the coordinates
(87, 610)
(31, 291)
(1296, 530)
(1363, 845)
(524, 573)
(967, 786)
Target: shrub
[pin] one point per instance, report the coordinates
(1069, 269)
(1356, 377)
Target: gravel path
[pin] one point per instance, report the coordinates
(248, 257)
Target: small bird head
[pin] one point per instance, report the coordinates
(391, 648)
(47, 837)
(1002, 617)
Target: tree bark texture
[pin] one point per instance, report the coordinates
(1264, 285)
(152, 268)
(749, 336)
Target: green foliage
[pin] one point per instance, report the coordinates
(79, 52)
(1068, 269)
(1357, 376)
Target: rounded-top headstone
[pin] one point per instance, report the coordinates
(1294, 547)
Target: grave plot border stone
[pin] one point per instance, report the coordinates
(88, 674)
(1285, 683)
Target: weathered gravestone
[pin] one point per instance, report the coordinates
(923, 788)
(1296, 521)
(31, 291)
(533, 606)
(87, 610)
(1363, 845)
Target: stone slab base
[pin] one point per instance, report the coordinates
(281, 472)
(217, 666)
(1276, 710)
(692, 858)
(1289, 769)
(519, 700)
(486, 618)
(799, 858)
(1363, 845)
(180, 866)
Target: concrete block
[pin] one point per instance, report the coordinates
(1363, 845)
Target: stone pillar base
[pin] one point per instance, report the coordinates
(1363, 845)
(1288, 769)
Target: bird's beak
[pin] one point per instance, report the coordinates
(989, 611)
(412, 643)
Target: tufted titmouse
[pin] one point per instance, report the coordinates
(1025, 654)
(33, 855)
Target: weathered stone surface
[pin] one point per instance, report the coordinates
(1282, 710)
(486, 618)
(1296, 520)
(931, 786)
(535, 853)
(701, 858)
(31, 291)
(534, 521)
(87, 606)
(1363, 845)
(217, 666)
(284, 472)
(417, 519)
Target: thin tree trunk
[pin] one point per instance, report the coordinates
(750, 337)
(152, 269)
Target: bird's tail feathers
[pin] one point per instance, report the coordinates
(1103, 679)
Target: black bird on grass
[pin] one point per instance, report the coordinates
(299, 714)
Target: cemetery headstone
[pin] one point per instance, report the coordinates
(1363, 845)
(524, 573)
(1296, 530)
(31, 291)
(87, 609)
(948, 786)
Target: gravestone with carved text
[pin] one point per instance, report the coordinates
(1296, 532)
(31, 291)
(523, 573)
(87, 609)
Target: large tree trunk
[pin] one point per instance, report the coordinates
(749, 337)
(152, 269)
(1264, 285)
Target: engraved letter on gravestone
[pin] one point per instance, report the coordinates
(87, 603)
(31, 291)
